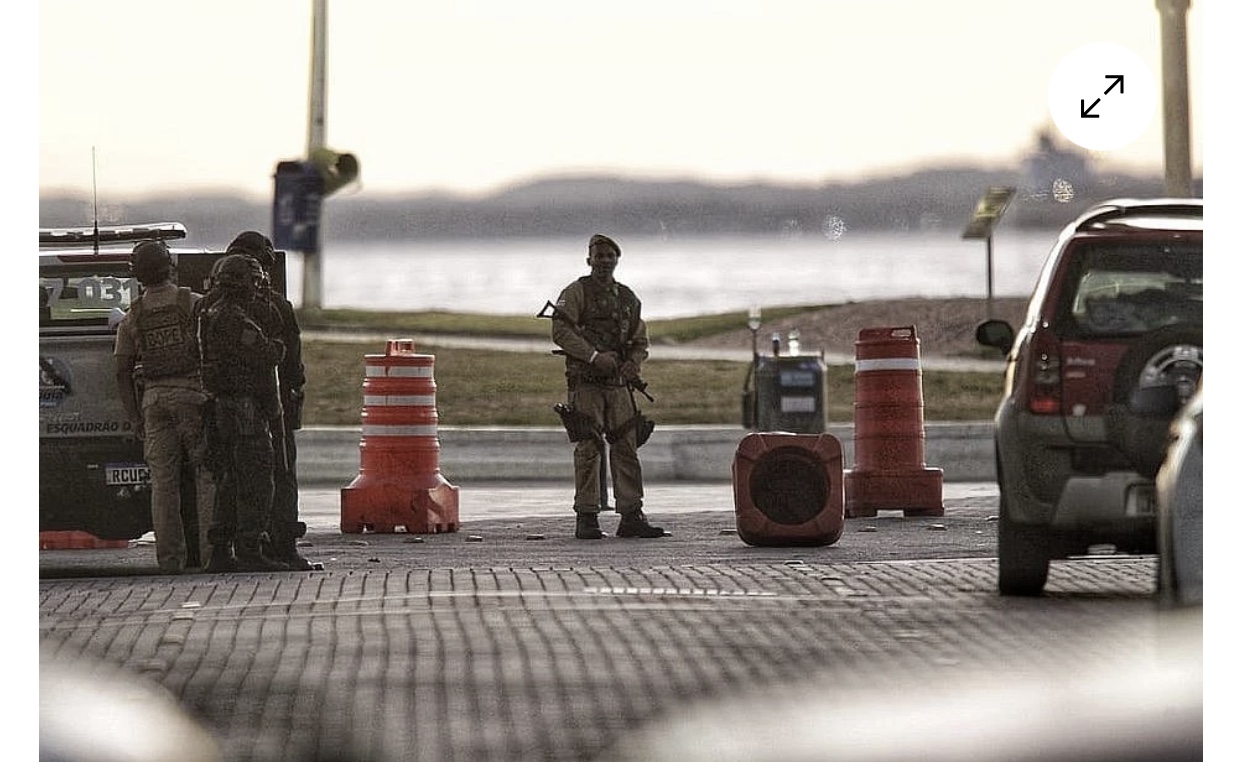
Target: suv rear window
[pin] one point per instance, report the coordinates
(84, 295)
(1124, 289)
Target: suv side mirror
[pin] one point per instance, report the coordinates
(995, 333)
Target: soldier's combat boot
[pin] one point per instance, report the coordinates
(284, 548)
(220, 559)
(635, 524)
(587, 527)
(250, 558)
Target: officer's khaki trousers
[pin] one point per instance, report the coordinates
(173, 419)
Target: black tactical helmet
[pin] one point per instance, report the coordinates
(150, 262)
(238, 273)
(255, 244)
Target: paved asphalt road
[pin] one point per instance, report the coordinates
(528, 524)
(510, 640)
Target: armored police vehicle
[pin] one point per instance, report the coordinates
(92, 477)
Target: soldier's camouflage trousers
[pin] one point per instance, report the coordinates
(611, 407)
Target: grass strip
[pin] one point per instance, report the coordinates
(477, 387)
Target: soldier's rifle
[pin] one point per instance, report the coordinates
(551, 312)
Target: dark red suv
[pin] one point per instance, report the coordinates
(1112, 344)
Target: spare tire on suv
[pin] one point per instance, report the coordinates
(1156, 377)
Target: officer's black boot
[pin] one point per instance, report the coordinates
(587, 527)
(220, 559)
(635, 524)
(250, 558)
(284, 547)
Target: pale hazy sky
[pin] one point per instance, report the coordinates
(475, 94)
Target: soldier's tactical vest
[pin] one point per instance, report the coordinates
(608, 318)
(166, 344)
(233, 365)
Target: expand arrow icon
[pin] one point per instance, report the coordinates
(1119, 82)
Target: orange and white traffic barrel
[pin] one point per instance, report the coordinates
(787, 489)
(399, 484)
(889, 471)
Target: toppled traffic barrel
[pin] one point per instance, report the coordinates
(889, 472)
(76, 540)
(787, 489)
(399, 484)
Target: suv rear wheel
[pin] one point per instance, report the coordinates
(1022, 554)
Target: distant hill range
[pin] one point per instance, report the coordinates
(931, 199)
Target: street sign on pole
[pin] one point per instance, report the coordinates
(296, 203)
(988, 212)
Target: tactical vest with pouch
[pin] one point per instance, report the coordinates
(166, 344)
(608, 320)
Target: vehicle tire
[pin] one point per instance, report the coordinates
(1179, 514)
(1166, 569)
(1022, 556)
(1171, 544)
(1170, 356)
(123, 526)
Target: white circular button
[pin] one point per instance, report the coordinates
(1102, 96)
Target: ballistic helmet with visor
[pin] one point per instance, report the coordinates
(150, 262)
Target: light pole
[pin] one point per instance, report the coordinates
(1176, 96)
(312, 264)
(303, 184)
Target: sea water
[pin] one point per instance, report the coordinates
(676, 277)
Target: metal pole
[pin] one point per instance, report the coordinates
(319, 58)
(312, 264)
(989, 247)
(1177, 176)
(603, 474)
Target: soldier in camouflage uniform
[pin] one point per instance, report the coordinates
(239, 361)
(598, 324)
(155, 349)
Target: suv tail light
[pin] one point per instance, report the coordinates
(1044, 374)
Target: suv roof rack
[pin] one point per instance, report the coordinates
(1121, 208)
(110, 234)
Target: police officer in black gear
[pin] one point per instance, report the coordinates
(239, 361)
(275, 313)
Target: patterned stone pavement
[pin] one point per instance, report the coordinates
(400, 652)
